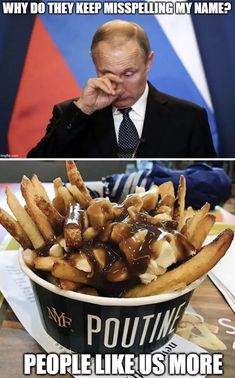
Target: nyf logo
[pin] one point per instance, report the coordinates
(61, 320)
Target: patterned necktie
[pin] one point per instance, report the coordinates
(128, 137)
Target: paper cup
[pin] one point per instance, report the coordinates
(89, 324)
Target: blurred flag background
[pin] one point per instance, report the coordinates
(45, 59)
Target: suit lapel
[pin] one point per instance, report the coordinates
(104, 133)
(155, 118)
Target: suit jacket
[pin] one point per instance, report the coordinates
(173, 128)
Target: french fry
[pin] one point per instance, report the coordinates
(59, 205)
(190, 226)
(45, 263)
(55, 219)
(67, 197)
(57, 183)
(76, 179)
(168, 200)
(189, 271)
(153, 220)
(73, 227)
(164, 209)
(133, 200)
(149, 198)
(188, 213)
(73, 236)
(67, 285)
(63, 270)
(38, 216)
(29, 211)
(78, 196)
(24, 220)
(180, 203)
(39, 188)
(201, 231)
(166, 189)
(15, 229)
(161, 217)
(59, 202)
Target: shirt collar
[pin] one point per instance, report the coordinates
(140, 105)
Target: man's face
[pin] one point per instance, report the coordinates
(126, 60)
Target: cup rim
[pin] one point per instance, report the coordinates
(105, 301)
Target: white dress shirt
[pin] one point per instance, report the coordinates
(136, 114)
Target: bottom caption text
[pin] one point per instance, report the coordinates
(124, 364)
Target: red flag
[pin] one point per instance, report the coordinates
(45, 80)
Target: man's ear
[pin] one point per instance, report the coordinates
(149, 61)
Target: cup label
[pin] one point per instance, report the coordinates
(60, 319)
(148, 328)
(91, 328)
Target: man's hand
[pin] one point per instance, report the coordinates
(98, 93)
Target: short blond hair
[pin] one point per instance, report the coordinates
(119, 30)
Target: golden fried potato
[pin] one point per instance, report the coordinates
(76, 179)
(40, 219)
(15, 229)
(24, 219)
(63, 270)
(189, 271)
(55, 219)
(179, 205)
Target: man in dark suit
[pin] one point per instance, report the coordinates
(119, 113)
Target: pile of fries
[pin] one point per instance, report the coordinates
(146, 245)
